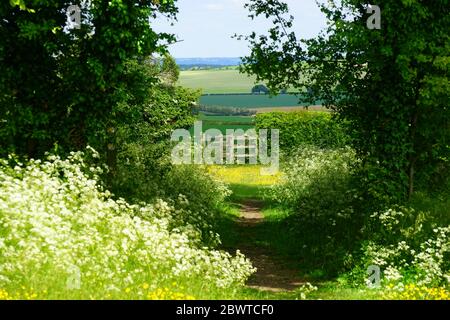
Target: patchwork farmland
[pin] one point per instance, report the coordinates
(227, 101)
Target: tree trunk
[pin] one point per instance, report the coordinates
(111, 155)
(413, 157)
(411, 177)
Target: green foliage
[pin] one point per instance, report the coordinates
(143, 175)
(159, 108)
(319, 193)
(392, 85)
(342, 233)
(63, 86)
(170, 71)
(410, 247)
(139, 136)
(204, 193)
(260, 88)
(143, 171)
(300, 129)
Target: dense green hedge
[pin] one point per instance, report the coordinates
(304, 128)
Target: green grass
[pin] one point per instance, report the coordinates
(242, 192)
(274, 234)
(223, 123)
(334, 291)
(224, 127)
(225, 81)
(217, 81)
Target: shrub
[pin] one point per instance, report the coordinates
(146, 175)
(142, 138)
(304, 128)
(317, 189)
(312, 174)
(55, 218)
(409, 246)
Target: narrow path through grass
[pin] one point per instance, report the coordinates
(273, 273)
(258, 230)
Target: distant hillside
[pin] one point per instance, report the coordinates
(217, 81)
(185, 63)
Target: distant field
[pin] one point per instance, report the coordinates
(251, 101)
(223, 123)
(290, 109)
(224, 127)
(226, 87)
(227, 119)
(217, 81)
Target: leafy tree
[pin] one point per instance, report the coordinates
(66, 86)
(142, 140)
(170, 71)
(260, 88)
(391, 84)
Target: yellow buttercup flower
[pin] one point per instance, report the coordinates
(248, 175)
(413, 292)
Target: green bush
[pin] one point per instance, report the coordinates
(318, 190)
(143, 169)
(339, 233)
(409, 246)
(304, 128)
(142, 136)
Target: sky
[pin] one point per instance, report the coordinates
(206, 26)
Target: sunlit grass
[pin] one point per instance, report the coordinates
(250, 175)
(245, 181)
